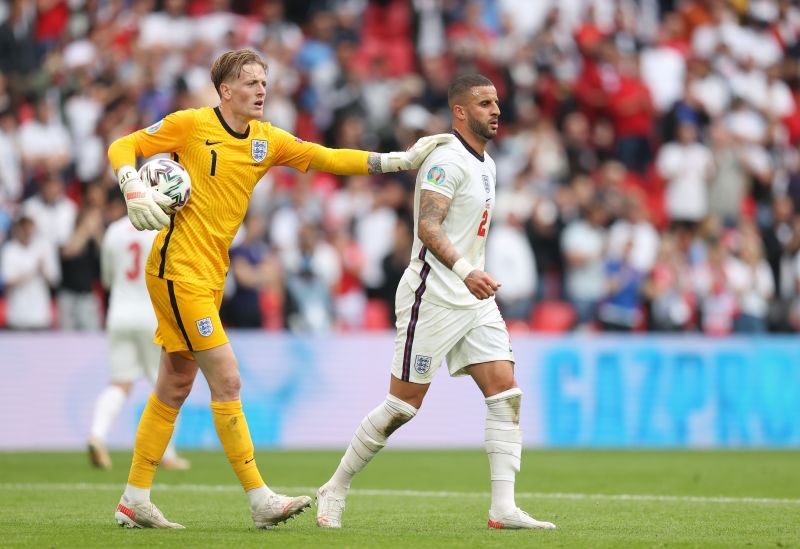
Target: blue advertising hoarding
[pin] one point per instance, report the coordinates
(579, 391)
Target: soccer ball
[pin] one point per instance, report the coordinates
(169, 178)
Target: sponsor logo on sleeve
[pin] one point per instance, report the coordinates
(436, 175)
(155, 127)
(258, 149)
(205, 326)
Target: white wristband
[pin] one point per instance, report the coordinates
(392, 162)
(462, 268)
(125, 174)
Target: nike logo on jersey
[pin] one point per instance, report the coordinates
(248, 460)
(212, 142)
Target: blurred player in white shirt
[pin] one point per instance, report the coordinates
(446, 309)
(131, 324)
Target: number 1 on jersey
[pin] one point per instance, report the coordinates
(213, 162)
(482, 226)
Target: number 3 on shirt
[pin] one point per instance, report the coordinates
(482, 226)
(135, 269)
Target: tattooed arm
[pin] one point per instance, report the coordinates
(374, 163)
(433, 208)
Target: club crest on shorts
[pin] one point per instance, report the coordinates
(422, 364)
(205, 326)
(258, 149)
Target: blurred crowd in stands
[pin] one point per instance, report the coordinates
(648, 165)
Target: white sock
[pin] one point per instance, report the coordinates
(170, 454)
(503, 496)
(503, 446)
(134, 494)
(106, 409)
(257, 495)
(370, 437)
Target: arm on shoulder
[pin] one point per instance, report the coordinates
(354, 162)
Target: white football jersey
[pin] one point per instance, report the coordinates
(460, 173)
(124, 253)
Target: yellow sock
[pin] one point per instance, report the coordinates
(235, 438)
(152, 437)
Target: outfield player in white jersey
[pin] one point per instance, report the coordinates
(131, 324)
(446, 310)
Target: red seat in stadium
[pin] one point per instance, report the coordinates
(271, 309)
(517, 326)
(376, 315)
(54, 314)
(552, 316)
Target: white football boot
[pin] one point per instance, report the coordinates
(98, 454)
(141, 515)
(516, 520)
(330, 507)
(278, 508)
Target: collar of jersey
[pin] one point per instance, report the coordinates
(471, 151)
(228, 128)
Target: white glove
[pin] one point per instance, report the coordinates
(413, 157)
(142, 202)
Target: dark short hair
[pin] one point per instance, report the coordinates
(229, 65)
(463, 84)
(24, 218)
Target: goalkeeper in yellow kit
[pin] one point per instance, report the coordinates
(226, 150)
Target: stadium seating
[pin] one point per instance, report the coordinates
(552, 317)
(271, 309)
(376, 316)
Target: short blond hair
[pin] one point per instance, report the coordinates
(229, 66)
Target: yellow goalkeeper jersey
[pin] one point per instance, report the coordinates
(225, 167)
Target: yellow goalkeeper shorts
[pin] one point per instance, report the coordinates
(188, 316)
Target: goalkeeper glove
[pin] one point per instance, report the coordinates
(413, 157)
(143, 203)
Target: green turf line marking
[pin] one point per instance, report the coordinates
(405, 493)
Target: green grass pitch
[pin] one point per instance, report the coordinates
(422, 499)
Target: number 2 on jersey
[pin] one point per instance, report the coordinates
(135, 268)
(482, 226)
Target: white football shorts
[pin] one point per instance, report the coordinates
(132, 355)
(428, 333)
